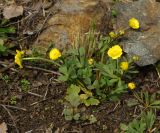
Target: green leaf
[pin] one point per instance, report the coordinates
(136, 127)
(92, 119)
(106, 70)
(149, 118)
(73, 99)
(112, 82)
(152, 98)
(72, 95)
(132, 102)
(73, 52)
(146, 96)
(68, 113)
(96, 84)
(63, 78)
(121, 87)
(63, 69)
(82, 51)
(114, 98)
(68, 117)
(73, 89)
(157, 102)
(91, 101)
(1, 42)
(2, 48)
(123, 127)
(76, 116)
(114, 13)
(7, 30)
(87, 81)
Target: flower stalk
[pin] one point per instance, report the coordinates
(42, 59)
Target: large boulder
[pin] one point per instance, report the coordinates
(146, 41)
(73, 18)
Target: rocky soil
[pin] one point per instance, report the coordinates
(41, 23)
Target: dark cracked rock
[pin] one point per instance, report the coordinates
(146, 41)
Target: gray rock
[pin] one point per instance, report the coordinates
(144, 42)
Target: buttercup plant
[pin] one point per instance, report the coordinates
(116, 34)
(145, 124)
(93, 69)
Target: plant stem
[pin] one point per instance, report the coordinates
(102, 57)
(43, 59)
(84, 88)
(117, 61)
(138, 98)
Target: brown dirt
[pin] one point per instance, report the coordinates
(47, 114)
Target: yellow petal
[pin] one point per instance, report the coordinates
(18, 58)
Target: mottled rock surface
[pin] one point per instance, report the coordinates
(145, 42)
(74, 17)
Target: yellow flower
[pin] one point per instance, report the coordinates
(131, 85)
(135, 58)
(124, 65)
(121, 32)
(113, 35)
(54, 54)
(18, 58)
(90, 61)
(134, 23)
(115, 52)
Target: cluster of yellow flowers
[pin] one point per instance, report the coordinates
(135, 58)
(113, 34)
(133, 23)
(114, 52)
